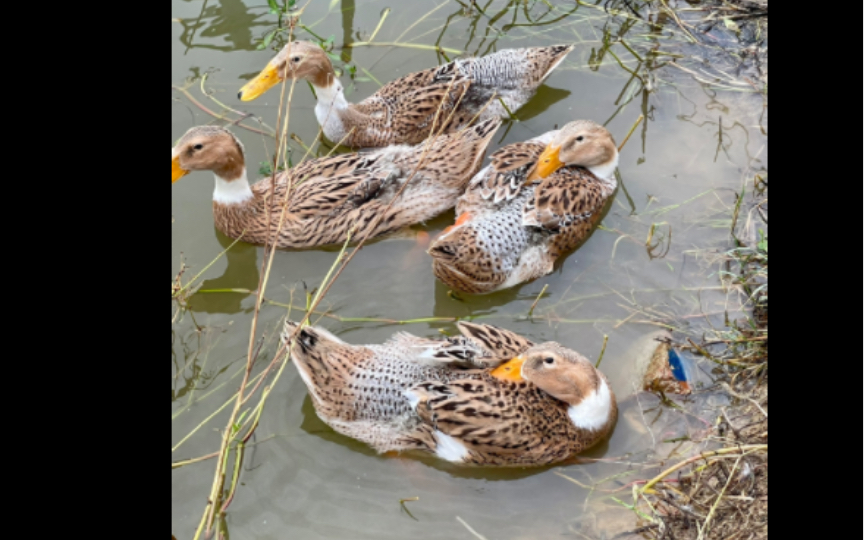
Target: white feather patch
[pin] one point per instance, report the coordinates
(592, 412)
(449, 448)
(606, 171)
(331, 100)
(232, 191)
(412, 397)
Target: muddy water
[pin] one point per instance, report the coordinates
(703, 140)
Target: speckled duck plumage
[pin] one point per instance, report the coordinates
(404, 111)
(446, 397)
(511, 228)
(336, 193)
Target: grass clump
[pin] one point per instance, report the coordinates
(723, 493)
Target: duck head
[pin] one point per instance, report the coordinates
(297, 60)
(583, 143)
(568, 376)
(208, 148)
(213, 148)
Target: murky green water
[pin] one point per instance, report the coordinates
(703, 140)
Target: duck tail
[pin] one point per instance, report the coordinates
(464, 150)
(311, 349)
(479, 136)
(549, 58)
(460, 267)
(526, 68)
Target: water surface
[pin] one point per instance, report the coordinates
(703, 139)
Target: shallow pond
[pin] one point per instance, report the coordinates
(652, 262)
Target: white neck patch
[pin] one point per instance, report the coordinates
(593, 412)
(331, 94)
(606, 172)
(331, 101)
(235, 191)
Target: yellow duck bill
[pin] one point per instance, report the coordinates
(177, 172)
(264, 81)
(547, 163)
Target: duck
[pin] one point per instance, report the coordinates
(333, 195)
(534, 201)
(404, 111)
(486, 397)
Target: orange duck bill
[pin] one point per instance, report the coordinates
(509, 371)
(547, 163)
(176, 171)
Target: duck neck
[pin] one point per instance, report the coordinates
(606, 172)
(331, 105)
(593, 411)
(232, 191)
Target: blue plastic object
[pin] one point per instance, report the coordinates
(676, 365)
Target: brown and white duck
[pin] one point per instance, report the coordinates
(333, 195)
(488, 397)
(536, 200)
(403, 111)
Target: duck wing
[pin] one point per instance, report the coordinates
(569, 197)
(479, 346)
(485, 420)
(338, 184)
(456, 351)
(404, 110)
(500, 345)
(505, 176)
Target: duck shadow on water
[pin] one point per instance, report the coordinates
(545, 97)
(453, 303)
(241, 272)
(313, 425)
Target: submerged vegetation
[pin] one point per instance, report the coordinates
(705, 477)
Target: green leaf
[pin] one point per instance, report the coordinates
(334, 57)
(763, 242)
(273, 5)
(267, 39)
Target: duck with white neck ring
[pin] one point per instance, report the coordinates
(465, 399)
(336, 194)
(537, 200)
(403, 111)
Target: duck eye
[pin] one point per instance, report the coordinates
(549, 360)
(198, 146)
(580, 138)
(295, 59)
